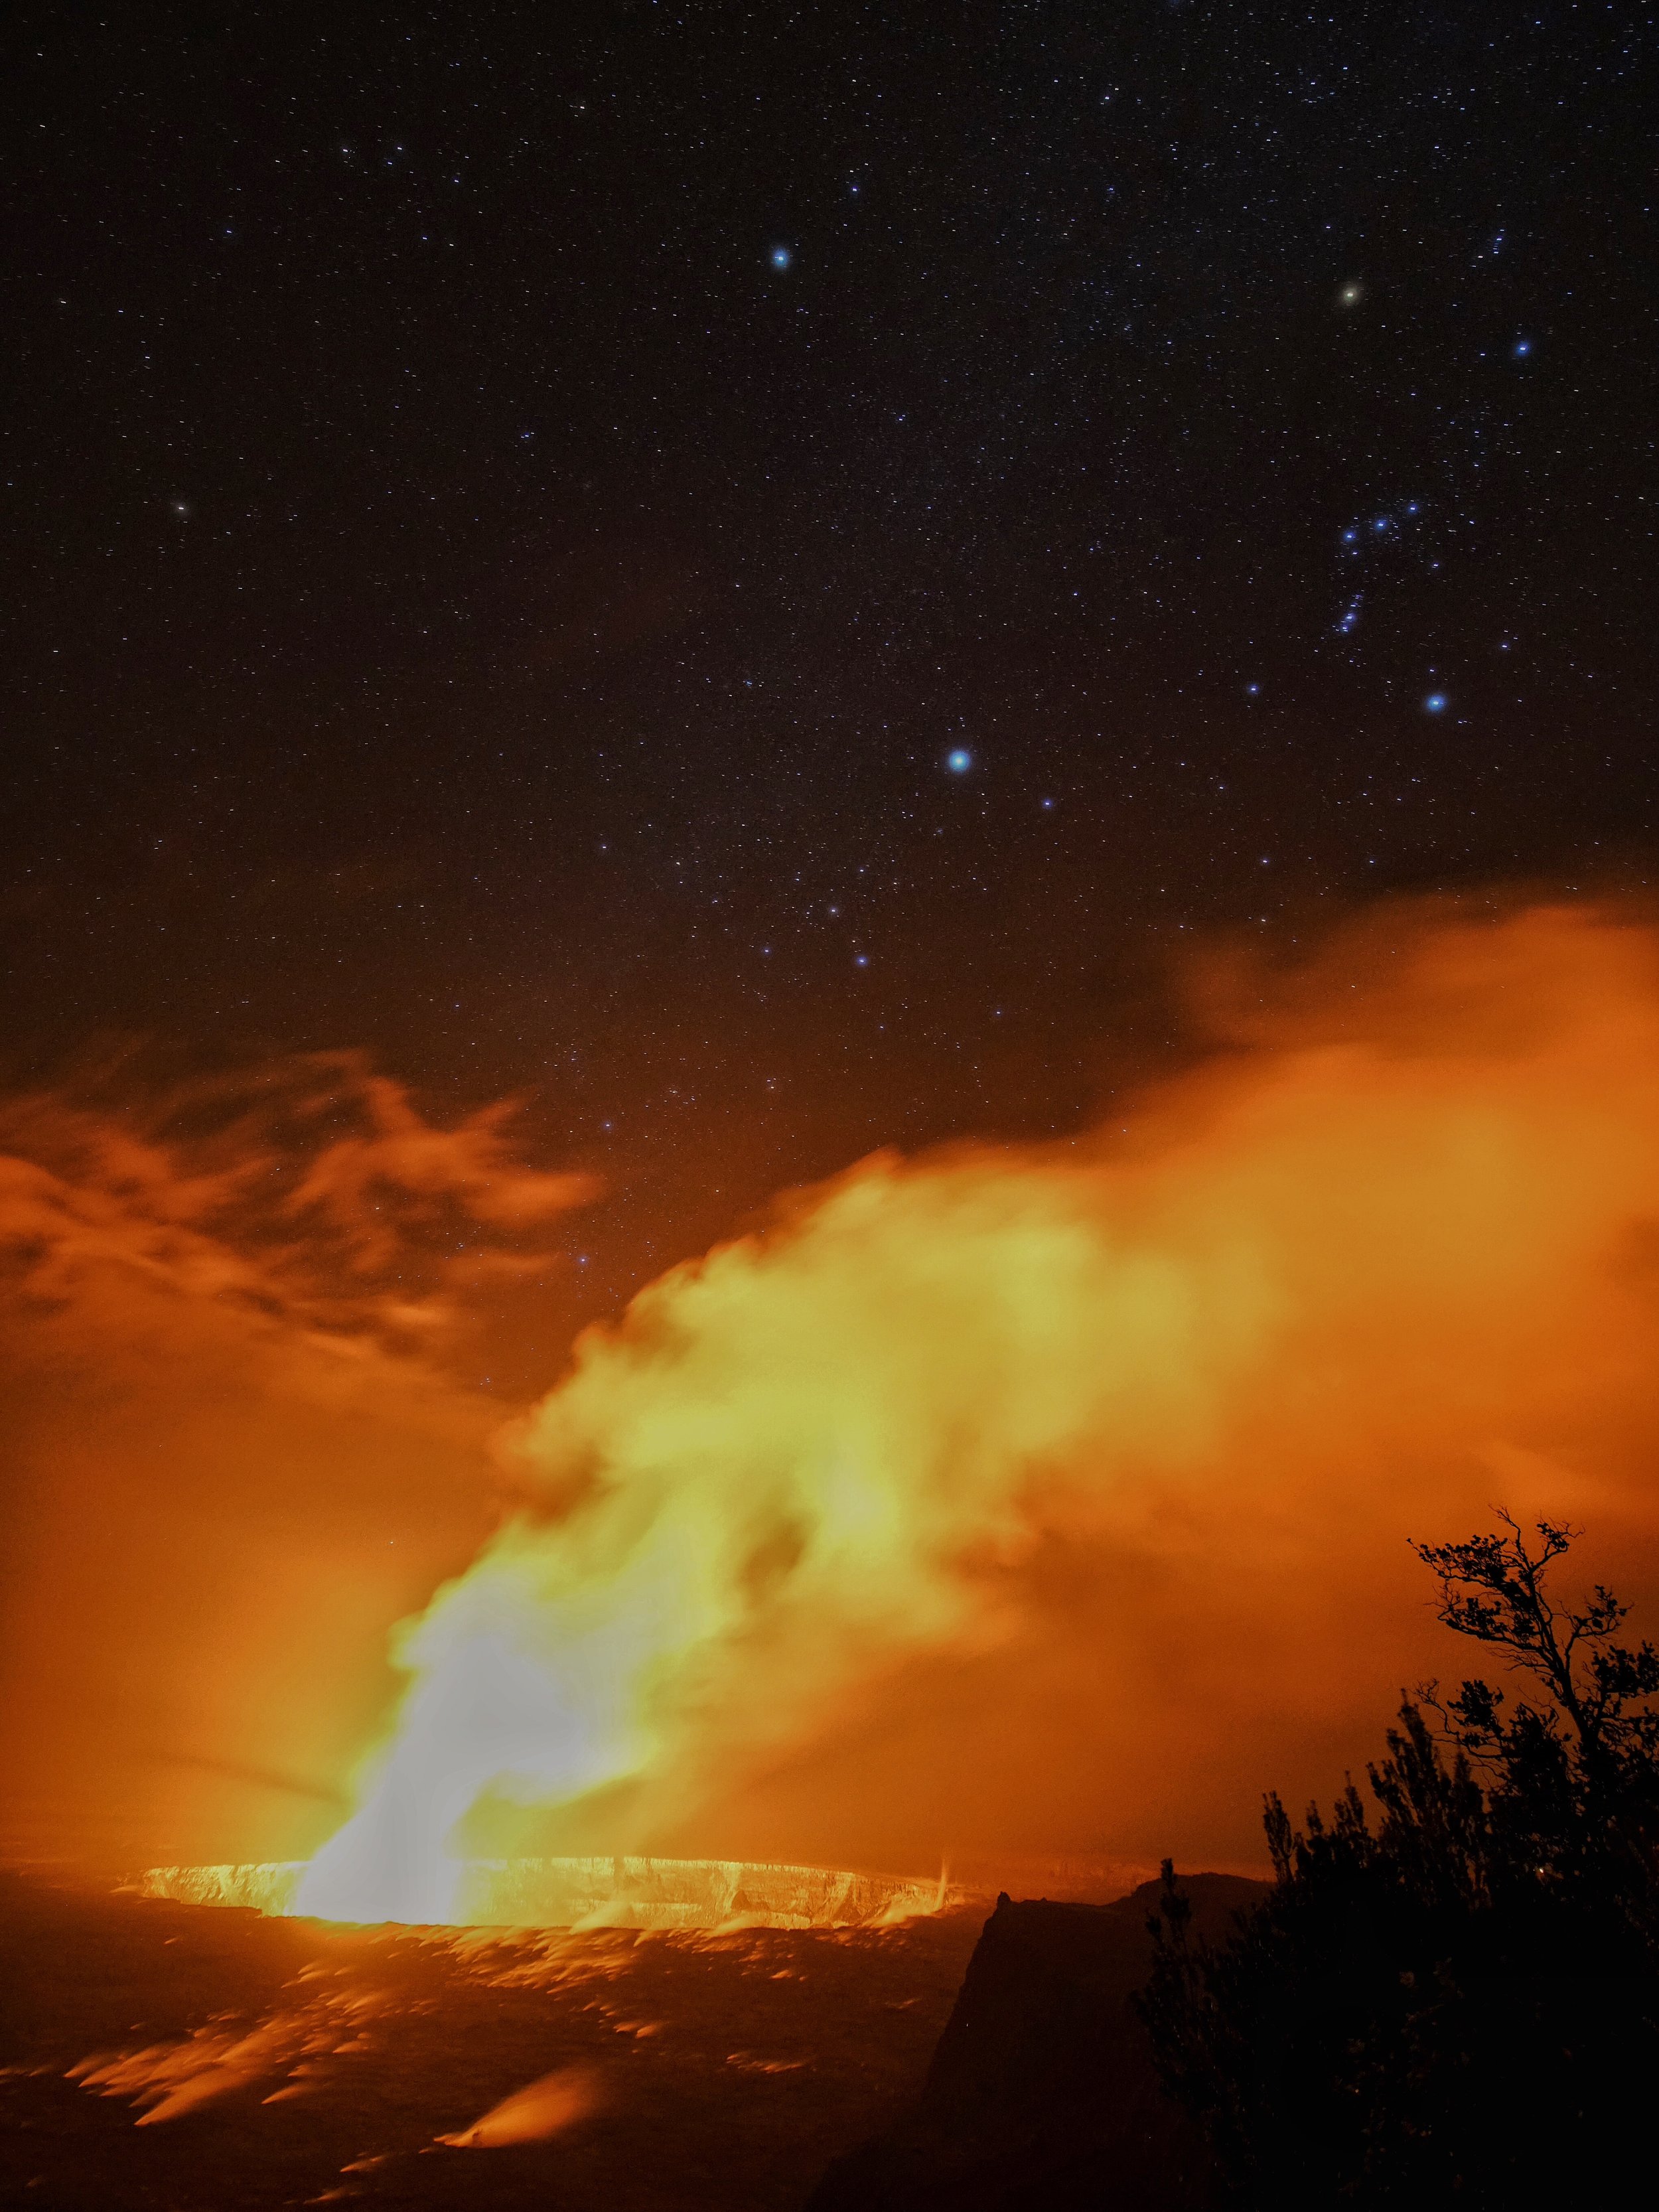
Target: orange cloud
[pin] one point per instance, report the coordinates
(1010, 1498)
(1056, 1496)
(246, 1428)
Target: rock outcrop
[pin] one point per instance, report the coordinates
(1041, 2095)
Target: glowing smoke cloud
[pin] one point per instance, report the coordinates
(1336, 1275)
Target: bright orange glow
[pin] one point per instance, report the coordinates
(1388, 1260)
(1012, 1497)
(613, 1891)
(542, 2108)
(240, 1330)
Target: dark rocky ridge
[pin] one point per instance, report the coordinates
(1041, 2095)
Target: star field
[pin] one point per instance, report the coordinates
(749, 574)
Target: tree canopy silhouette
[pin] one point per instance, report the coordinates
(1451, 1995)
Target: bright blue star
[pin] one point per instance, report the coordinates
(958, 763)
(1435, 703)
(782, 257)
(1522, 347)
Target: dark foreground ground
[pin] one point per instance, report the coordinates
(1043, 2095)
(719, 2071)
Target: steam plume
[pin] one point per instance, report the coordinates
(1014, 1479)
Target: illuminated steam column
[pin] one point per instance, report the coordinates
(483, 1712)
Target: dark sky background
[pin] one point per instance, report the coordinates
(510, 512)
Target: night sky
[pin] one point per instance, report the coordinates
(753, 574)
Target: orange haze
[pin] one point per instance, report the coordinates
(1012, 1498)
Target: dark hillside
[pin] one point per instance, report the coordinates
(1041, 2096)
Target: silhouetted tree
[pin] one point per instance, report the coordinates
(1453, 2000)
(1573, 1780)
